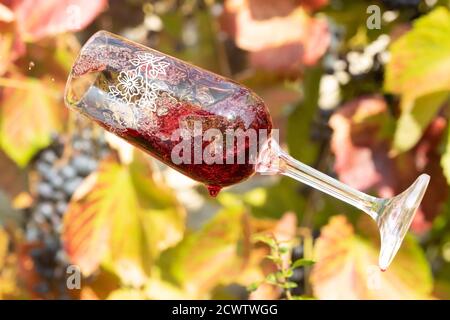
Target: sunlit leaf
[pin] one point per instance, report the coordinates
(126, 294)
(296, 38)
(3, 247)
(302, 263)
(361, 142)
(6, 15)
(360, 150)
(37, 19)
(419, 67)
(313, 4)
(124, 221)
(11, 283)
(346, 267)
(216, 254)
(413, 123)
(99, 286)
(158, 289)
(29, 114)
(12, 180)
(445, 160)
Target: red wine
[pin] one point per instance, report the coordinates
(161, 104)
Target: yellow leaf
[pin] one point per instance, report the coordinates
(346, 267)
(29, 114)
(123, 222)
(216, 254)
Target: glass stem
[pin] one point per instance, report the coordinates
(292, 168)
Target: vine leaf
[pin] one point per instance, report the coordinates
(362, 137)
(29, 114)
(300, 39)
(346, 267)
(445, 160)
(412, 124)
(215, 254)
(36, 19)
(419, 71)
(122, 221)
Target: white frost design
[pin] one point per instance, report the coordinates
(131, 84)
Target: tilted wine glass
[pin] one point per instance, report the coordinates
(151, 100)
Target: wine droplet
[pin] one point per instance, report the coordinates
(213, 190)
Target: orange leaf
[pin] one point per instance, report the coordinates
(122, 220)
(6, 15)
(37, 19)
(279, 35)
(361, 143)
(346, 267)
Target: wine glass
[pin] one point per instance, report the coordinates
(167, 107)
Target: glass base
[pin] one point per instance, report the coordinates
(395, 217)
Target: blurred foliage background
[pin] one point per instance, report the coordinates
(368, 106)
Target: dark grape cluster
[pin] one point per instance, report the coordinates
(401, 4)
(58, 171)
(299, 273)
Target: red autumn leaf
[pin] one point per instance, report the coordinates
(36, 19)
(313, 4)
(279, 35)
(363, 161)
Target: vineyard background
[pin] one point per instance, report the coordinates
(368, 106)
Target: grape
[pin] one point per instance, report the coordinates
(59, 196)
(57, 181)
(46, 209)
(83, 165)
(297, 253)
(42, 288)
(298, 275)
(68, 172)
(61, 207)
(43, 168)
(45, 190)
(49, 156)
(401, 4)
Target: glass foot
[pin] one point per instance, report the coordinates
(396, 216)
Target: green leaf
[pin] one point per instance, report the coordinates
(445, 159)
(412, 123)
(253, 287)
(29, 114)
(271, 278)
(420, 59)
(287, 273)
(419, 71)
(267, 239)
(302, 263)
(123, 222)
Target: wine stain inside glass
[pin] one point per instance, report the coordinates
(149, 98)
